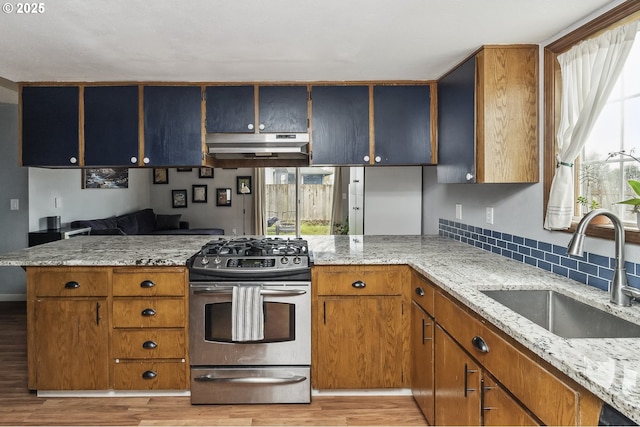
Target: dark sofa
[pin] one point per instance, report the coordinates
(142, 222)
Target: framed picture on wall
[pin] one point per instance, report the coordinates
(199, 193)
(205, 173)
(105, 178)
(243, 185)
(160, 176)
(223, 197)
(179, 198)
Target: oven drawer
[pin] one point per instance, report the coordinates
(251, 385)
(147, 375)
(149, 313)
(149, 282)
(149, 344)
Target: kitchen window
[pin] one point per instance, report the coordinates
(595, 176)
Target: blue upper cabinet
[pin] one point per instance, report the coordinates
(230, 109)
(402, 125)
(111, 126)
(340, 122)
(456, 124)
(283, 109)
(50, 126)
(173, 126)
(488, 118)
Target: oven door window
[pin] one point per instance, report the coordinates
(279, 322)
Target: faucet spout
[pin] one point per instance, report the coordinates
(621, 293)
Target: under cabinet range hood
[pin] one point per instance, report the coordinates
(294, 146)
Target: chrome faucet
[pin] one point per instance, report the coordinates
(621, 292)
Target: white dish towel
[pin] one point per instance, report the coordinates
(247, 314)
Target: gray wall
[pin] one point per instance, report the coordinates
(14, 225)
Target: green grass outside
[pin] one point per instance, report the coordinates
(306, 229)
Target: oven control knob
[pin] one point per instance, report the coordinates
(284, 260)
(297, 260)
(204, 260)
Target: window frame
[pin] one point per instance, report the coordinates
(552, 89)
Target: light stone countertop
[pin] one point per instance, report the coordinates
(610, 368)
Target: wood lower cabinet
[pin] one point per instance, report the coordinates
(149, 342)
(422, 346)
(68, 328)
(361, 327)
(99, 328)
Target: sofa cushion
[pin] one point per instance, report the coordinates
(96, 224)
(168, 222)
(146, 221)
(128, 223)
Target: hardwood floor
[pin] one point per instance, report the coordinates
(20, 407)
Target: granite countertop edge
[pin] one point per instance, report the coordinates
(609, 368)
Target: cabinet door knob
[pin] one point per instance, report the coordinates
(366, 158)
(480, 344)
(261, 126)
(147, 284)
(469, 176)
(134, 160)
(378, 159)
(146, 160)
(73, 160)
(149, 375)
(419, 291)
(72, 285)
(250, 126)
(149, 345)
(359, 284)
(148, 312)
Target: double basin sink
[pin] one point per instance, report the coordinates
(564, 316)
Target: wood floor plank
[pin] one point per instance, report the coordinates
(19, 407)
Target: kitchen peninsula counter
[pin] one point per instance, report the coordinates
(609, 368)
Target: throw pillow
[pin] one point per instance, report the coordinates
(168, 222)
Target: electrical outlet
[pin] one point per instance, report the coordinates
(233, 231)
(458, 210)
(15, 204)
(489, 215)
(57, 202)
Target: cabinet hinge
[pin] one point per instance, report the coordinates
(204, 96)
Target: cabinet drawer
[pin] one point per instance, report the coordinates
(149, 344)
(149, 282)
(149, 313)
(422, 293)
(531, 383)
(69, 282)
(167, 375)
(367, 280)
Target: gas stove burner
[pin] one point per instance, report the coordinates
(256, 247)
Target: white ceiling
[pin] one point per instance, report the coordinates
(268, 40)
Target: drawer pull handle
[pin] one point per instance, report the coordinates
(480, 344)
(147, 284)
(148, 312)
(468, 371)
(419, 291)
(149, 375)
(149, 345)
(72, 285)
(359, 284)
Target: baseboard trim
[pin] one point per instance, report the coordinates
(365, 392)
(13, 297)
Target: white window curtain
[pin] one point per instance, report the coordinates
(589, 72)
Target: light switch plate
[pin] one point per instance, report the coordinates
(15, 204)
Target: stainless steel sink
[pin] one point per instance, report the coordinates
(563, 315)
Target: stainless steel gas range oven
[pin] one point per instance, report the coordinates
(250, 321)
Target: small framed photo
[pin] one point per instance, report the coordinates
(223, 197)
(199, 193)
(179, 198)
(205, 173)
(105, 178)
(184, 169)
(160, 176)
(243, 185)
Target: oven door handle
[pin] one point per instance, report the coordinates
(266, 292)
(252, 380)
